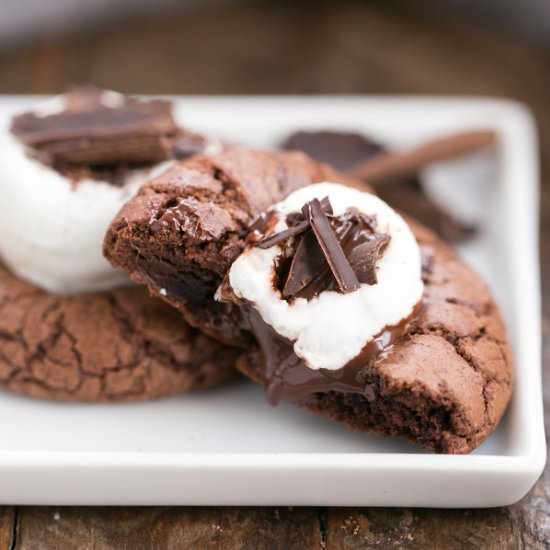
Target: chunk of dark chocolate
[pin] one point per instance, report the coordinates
(292, 231)
(364, 256)
(91, 131)
(343, 150)
(308, 263)
(348, 244)
(334, 255)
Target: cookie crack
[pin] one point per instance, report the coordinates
(439, 329)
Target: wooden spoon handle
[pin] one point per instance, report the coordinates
(394, 163)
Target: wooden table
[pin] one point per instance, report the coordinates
(276, 48)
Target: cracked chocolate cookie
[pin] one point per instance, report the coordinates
(370, 321)
(71, 331)
(113, 345)
(183, 230)
(423, 344)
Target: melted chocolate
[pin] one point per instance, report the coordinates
(287, 377)
(305, 272)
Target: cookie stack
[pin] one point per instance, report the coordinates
(71, 326)
(271, 262)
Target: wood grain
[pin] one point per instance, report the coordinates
(351, 529)
(277, 48)
(7, 524)
(169, 528)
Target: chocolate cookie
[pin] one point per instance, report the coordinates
(447, 380)
(113, 345)
(444, 382)
(183, 230)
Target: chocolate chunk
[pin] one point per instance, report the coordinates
(297, 224)
(308, 271)
(89, 132)
(363, 258)
(282, 236)
(308, 263)
(336, 259)
(340, 149)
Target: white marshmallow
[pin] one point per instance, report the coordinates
(332, 328)
(51, 230)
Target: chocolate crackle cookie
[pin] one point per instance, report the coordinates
(112, 345)
(354, 313)
(370, 321)
(183, 230)
(69, 328)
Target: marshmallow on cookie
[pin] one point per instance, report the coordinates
(65, 171)
(329, 270)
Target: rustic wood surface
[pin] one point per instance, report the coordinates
(278, 48)
(7, 524)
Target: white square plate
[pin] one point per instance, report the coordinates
(227, 445)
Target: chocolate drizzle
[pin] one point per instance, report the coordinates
(329, 253)
(287, 377)
(306, 267)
